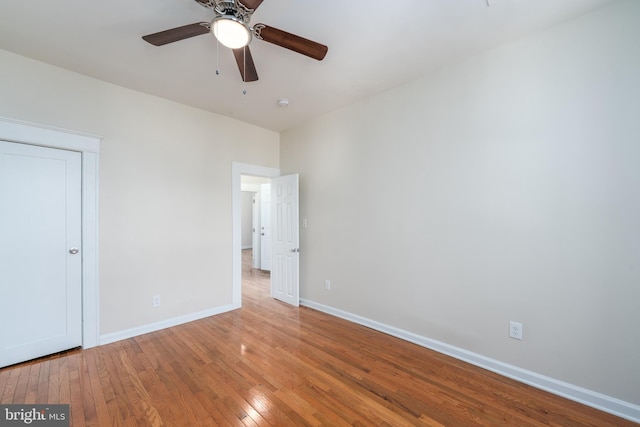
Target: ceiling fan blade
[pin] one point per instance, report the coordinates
(251, 4)
(290, 41)
(177, 34)
(245, 64)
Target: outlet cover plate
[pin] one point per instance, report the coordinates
(515, 330)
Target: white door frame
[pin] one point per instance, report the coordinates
(237, 170)
(89, 145)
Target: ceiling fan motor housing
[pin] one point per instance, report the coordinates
(234, 10)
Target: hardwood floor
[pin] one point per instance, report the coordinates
(271, 364)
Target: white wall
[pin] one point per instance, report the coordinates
(253, 183)
(503, 188)
(165, 188)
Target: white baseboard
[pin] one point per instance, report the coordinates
(247, 247)
(145, 329)
(587, 397)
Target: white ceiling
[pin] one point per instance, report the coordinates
(373, 46)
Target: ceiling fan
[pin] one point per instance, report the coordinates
(231, 27)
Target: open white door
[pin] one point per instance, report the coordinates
(40, 251)
(256, 241)
(285, 280)
(265, 227)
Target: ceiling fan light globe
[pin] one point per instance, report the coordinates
(231, 32)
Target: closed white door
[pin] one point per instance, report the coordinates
(285, 275)
(40, 253)
(265, 227)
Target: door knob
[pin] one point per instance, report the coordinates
(74, 251)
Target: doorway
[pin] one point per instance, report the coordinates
(256, 239)
(285, 282)
(89, 147)
(237, 170)
(256, 220)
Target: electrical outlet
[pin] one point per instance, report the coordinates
(156, 300)
(327, 285)
(515, 330)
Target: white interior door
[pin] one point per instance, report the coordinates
(40, 259)
(255, 252)
(265, 227)
(285, 278)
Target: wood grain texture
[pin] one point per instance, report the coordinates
(176, 34)
(271, 364)
(247, 67)
(293, 42)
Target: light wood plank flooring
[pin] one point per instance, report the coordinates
(271, 364)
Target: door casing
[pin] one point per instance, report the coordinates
(89, 145)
